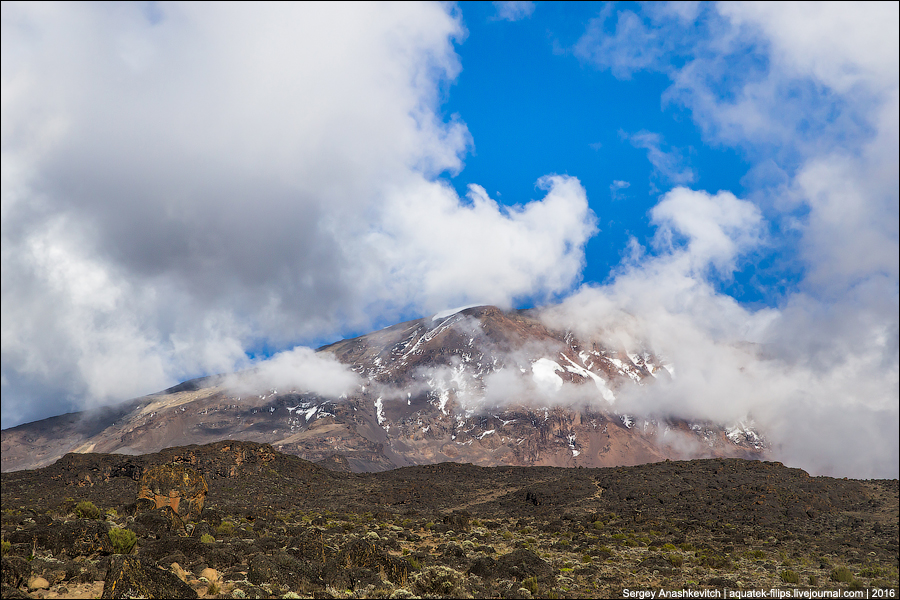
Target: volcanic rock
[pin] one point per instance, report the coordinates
(177, 486)
(78, 537)
(134, 577)
(285, 525)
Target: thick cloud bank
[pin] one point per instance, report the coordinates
(184, 181)
(812, 88)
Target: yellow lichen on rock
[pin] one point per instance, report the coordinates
(177, 486)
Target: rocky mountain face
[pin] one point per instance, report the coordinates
(478, 385)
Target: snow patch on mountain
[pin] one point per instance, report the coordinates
(604, 390)
(543, 372)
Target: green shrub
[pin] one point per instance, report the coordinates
(207, 539)
(123, 540)
(842, 575)
(872, 572)
(857, 585)
(669, 547)
(7, 546)
(813, 580)
(675, 560)
(86, 510)
(714, 560)
(531, 584)
(788, 576)
(225, 528)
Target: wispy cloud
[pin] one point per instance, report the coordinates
(616, 189)
(668, 164)
(514, 11)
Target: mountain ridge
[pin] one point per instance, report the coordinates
(478, 385)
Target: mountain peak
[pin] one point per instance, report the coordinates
(475, 384)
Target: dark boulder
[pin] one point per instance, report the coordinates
(11, 592)
(366, 555)
(78, 537)
(309, 544)
(16, 571)
(282, 569)
(81, 570)
(190, 549)
(484, 567)
(136, 577)
(158, 522)
(522, 564)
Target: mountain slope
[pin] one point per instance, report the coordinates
(479, 385)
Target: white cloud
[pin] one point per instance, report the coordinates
(300, 370)
(178, 186)
(842, 45)
(444, 253)
(616, 187)
(633, 46)
(718, 228)
(514, 11)
(668, 164)
(809, 92)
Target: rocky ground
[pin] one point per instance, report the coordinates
(274, 525)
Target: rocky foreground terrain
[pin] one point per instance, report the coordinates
(256, 523)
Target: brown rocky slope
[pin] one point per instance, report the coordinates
(425, 396)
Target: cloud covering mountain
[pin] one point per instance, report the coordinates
(181, 183)
(188, 185)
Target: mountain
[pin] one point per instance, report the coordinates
(477, 385)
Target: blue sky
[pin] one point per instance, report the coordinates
(533, 107)
(191, 188)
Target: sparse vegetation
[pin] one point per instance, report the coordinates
(300, 548)
(87, 510)
(788, 576)
(122, 540)
(225, 529)
(842, 575)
